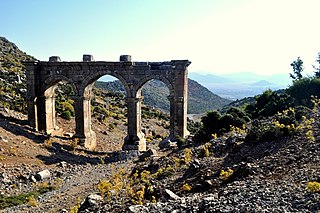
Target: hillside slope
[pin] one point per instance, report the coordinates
(12, 76)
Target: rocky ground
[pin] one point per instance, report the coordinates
(269, 176)
(24, 153)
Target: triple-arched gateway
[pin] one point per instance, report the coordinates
(43, 77)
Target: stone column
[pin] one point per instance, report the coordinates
(173, 125)
(32, 112)
(181, 99)
(181, 114)
(84, 132)
(31, 95)
(135, 139)
(46, 113)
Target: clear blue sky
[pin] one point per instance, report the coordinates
(218, 36)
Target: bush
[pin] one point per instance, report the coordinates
(302, 90)
(186, 187)
(66, 115)
(180, 141)
(101, 110)
(270, 102)
(67, 106)
(237, 112)
(262, 132)
(313, 186)
(215, 123)
(302, 111)
(193, 126)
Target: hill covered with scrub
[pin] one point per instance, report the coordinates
(155, 94)
(263, 155)
(12, 75)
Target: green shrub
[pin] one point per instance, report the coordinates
(66, 115)
(101, 110)
(186, 187)
(302, 90)
(240, 113)
(193, 126)
(302, 111)
(180, 141)
(225, 174)
(313, 186)
(14, 200)
(216, 123)
(270, 102)
(263, 132)
(67, 106)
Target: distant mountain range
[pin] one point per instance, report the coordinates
(240, 85)
(155, 93)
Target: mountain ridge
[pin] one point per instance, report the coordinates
(240, 85)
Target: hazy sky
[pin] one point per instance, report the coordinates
(218, 36)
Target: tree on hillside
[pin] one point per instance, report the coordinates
(317, 68)
(297, 67)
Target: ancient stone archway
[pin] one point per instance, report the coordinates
(42, 76)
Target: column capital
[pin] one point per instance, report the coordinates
(170, 97)
(45, 97)
(176, 99)
(134, 100)
(31, 98)
(179, 99)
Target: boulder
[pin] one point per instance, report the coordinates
(171, 195)
(43, 175)
(91, 203)
(138, 209)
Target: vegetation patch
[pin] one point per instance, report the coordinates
(313, 186)
(29, 197)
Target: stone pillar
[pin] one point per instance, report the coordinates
(84, 132)
(181, 115)
(46, 113)
(135, 139)
(32, 112)
(181, 99)
(173, 125)
(31, 95)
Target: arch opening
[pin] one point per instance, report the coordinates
(65, 108)
(56, 107)
(105, 77)
(107, 119)
(155, 110)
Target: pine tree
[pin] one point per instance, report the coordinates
(297, 67)
(317, 69)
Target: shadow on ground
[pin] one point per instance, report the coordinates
(20, 128)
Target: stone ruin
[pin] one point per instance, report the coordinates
(43, 77)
